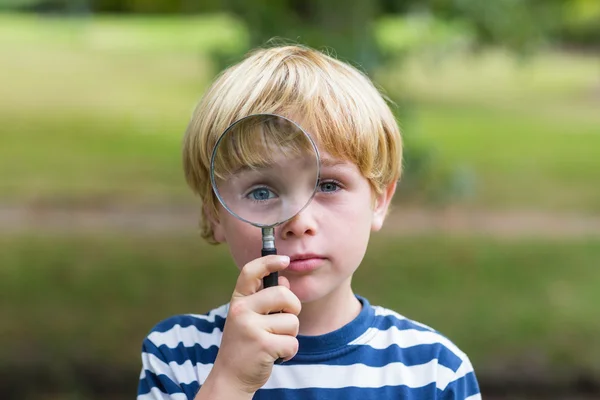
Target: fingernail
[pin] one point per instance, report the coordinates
(284, 259)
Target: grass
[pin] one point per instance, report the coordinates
(94, 297)
(94, 111)
(519, 160)
(90, 160)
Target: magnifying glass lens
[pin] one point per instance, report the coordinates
(264, 169)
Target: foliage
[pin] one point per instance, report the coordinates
(345, 24)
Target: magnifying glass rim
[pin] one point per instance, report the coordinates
(212, 169)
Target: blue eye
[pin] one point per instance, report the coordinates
(329, 187)
(261, 194)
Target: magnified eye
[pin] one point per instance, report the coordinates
(261, 194)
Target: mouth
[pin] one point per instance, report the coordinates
(305, 262)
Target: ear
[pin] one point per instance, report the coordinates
(215, 225)
(382, 203)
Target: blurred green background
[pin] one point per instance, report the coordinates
(495, 234)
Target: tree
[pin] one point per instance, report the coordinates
(344, 26)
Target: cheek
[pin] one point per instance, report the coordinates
(348, 225)
(244, 241)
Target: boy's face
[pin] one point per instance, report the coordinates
(326, 241)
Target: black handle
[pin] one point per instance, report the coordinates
(271, 280)
(273, 277)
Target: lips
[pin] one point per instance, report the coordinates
(307, 256)
(305, 262)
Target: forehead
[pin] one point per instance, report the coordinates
(328, 160)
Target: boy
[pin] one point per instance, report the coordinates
(335, 345)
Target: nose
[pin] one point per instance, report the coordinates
(301, 224)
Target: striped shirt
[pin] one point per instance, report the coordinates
(379, 355)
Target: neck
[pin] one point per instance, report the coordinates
(330, 312)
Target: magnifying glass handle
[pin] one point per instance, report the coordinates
(273, 277)
(271, 280)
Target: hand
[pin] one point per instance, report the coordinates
(253, 337)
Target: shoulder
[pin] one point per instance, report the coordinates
(392, 328)
(426, 353)
(181, 335)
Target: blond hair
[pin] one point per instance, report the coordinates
(346, 115)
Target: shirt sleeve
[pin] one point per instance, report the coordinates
(157, 380)
(464, 385)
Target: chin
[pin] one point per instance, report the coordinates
(308, 290)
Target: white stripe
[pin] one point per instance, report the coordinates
(404, 338)
(384, 312)
(474, 397)
(189, 336)
(155, 394)
(185, 373)
(217, 312)
(159, 367)
(358, 375)
(463, 370)
(143, 373)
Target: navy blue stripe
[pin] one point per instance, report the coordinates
(461, 388)
(385, 322)
(191, 389)
(181, 354)
(386, 392)
(162, 382)
(166, 385)
(186, 320)
(371, 357)
(144, 386)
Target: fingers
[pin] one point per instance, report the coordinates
(285, 346)
(280, 323)
(250, 279)
(274, 299)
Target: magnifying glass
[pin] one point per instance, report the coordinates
(264, 170)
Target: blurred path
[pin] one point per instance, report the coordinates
(409, 221)
(509, 224)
